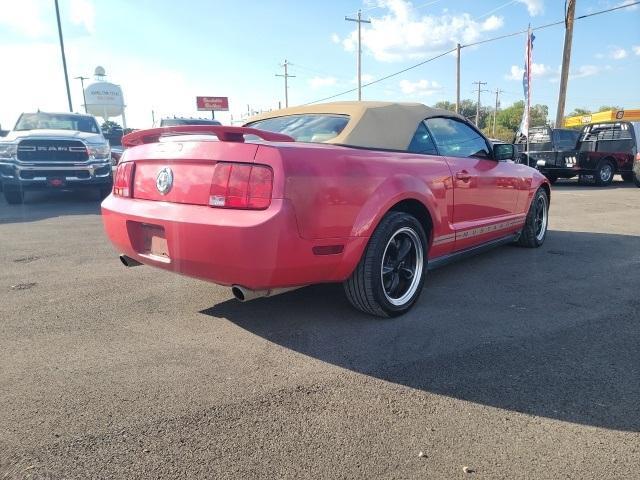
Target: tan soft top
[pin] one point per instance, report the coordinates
(385, 125)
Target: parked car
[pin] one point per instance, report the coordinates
(602, 151)
(552, 150)
(370, 194)
(174, 122)
(54, 151)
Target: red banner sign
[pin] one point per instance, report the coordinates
(218, 104)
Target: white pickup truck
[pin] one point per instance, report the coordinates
(54, 151)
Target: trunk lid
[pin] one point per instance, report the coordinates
(181, 171)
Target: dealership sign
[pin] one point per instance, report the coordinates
(218, 104)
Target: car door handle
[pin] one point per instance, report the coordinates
(463, 175)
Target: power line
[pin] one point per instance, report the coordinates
(510, 2)
(540, 27)
(386, 77)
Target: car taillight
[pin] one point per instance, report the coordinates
(238, 185)
(123, 181)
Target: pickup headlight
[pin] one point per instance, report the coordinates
(8, 150)
(100, 151)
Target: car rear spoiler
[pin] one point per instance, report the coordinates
(223, 132)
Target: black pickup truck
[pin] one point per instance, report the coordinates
(550, 149)
(598, 151)
(54, 151)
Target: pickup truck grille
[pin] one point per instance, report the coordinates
(52, 151)
(31, 174)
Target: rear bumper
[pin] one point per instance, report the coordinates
(255, 249)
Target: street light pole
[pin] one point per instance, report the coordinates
(64, 60)
(360, 22)
(84, 97)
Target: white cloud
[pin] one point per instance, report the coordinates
(585, 71)
(169, 93)
(319, 82)
(36, 19)
(628, 2)
(83, 13)
(420, 87)
(636, 49)
(492, 23)
(618, 54)
(534, 7)
(537, 70)
(366, 78)
(335, 38)
(26, 17)
(403, 33)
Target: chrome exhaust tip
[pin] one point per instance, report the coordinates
(244, 294)
(129, 262)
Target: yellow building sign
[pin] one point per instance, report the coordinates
(606, 116)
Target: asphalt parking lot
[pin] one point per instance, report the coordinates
(514, 364)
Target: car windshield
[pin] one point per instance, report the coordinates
(305, 128)
(56, 121)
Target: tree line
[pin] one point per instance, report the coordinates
(508, 119)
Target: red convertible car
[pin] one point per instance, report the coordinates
(371, 194)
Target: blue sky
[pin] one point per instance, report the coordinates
(164, 53)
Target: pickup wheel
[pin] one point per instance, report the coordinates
(605, 172)
(535, 227)
(104, 192)
(390, 275)
(14, 197)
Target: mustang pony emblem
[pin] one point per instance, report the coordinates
(164, 180)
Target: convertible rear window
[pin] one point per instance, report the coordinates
(305, 128)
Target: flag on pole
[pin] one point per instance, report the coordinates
(526, 83)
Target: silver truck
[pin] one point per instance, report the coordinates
(54, 151)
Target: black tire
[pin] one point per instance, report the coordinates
(104, 192)
(14, 197)
(552, 179)
(535, 227)
(605, 173)
(627, 176)
(366, 289)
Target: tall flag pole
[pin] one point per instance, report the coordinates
(526, 85)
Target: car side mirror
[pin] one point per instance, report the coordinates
(504, 151)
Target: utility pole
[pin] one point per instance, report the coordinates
(64, 60)
(360, 21)
(286, 83)
(458, 79)
(566, 60)
(84, 97)
(478, 104)
(495, 112)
